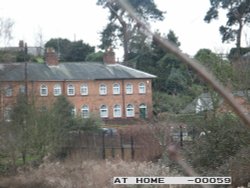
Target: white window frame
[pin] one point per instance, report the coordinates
(44, 91)
(117, 111)
(57, 90)
(71, 90)
(130, 110)
(116, 89)
(103, 111)
(84, 89)
(129, 88)
(85, 111)
(142, 88)
(103, 89)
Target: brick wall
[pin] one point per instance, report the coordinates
(94, 100)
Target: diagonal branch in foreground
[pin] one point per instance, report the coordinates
(200, 70)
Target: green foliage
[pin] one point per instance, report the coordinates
(223, 137)
(13, 56)
(173, 38)
(95, 57)
(121, 28)
(108, 39)
(93, 123)
(79, 51)
(237, 15)
(169, 103)
(22, 55)
(233, 54)
(172, 76)
(222, 69)
(176, 81)
(32, 133)
(37, 59)
(70, 51)
(61, 121)
(22, 124)
(6, 57)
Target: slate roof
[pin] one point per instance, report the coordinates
(69, 71)
(201, 103)
(205, 102)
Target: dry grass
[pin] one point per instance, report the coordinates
(91, 174)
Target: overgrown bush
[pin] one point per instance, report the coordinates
(33, 133)
(239, 166)
(218, 140)
(170, 103)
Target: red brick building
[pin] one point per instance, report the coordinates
(108, 89)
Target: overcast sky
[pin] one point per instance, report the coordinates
(84, 20)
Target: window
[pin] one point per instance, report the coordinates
(129, 88)
(85, 111)
(103, 111)
(143, 111)
(57, 90)
(130, 112)
(117, 111)
(43, 90)
(116, 89)
(142, 88)
(84, 89)
(71, 90)
(22, 89)
(7, 114)
(103, 89)
(8, 91)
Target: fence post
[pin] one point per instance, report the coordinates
(132, 148)
(103, 145)
(112, 144)
(122, 148)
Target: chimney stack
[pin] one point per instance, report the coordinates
(109, 56)
(51, 58)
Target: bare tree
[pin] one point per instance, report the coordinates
(39, 38)
(6, 26)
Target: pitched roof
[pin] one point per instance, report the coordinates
(69, 71)
(201, 103)
(205, 102)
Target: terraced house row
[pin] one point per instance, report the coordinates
(107, 88)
